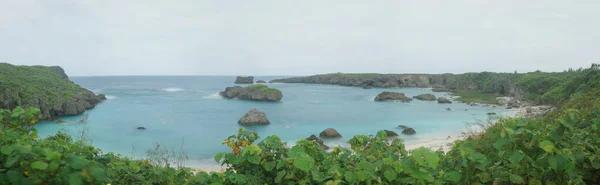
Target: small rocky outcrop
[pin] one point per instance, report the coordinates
(330, 133)
(396, 96)
(319, 141)
(425, 97)
(244, 80)
(390, 133)
(141, 128)
(443, 100)
(254, 117)
(491, 113)
(403, 127)
(448, 109)
(253, 92)
(409, 131)
(261, 82)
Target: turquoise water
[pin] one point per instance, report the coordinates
(189, 109)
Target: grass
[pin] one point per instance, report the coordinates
(476, 97)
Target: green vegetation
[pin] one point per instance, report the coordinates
(559, 148)
(262, 88)
(33, 82)
(476, 97)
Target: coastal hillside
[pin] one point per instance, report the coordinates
(45, 88)
(534, 86)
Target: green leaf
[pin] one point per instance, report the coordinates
(516, 179)
(268, 165)
(295, 151)
(280, 164)
(76, 162)
(553, 162)
(550, 183)
(452, 176)
(390, 175)
(218, 157)
(304, 162)
(279, 177)
(500, 143)
(10, 161)
(349, 176)
(39, 165)
(547, 146)
(533, 181)
(477, 157)
(425, 156)
(484, 177)
(75, 178)
(516, 157)
(6, 150)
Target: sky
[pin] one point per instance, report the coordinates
(275, 37)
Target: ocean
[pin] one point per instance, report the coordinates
(187, 111)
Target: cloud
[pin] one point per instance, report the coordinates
(269, 37)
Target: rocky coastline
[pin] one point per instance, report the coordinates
(257, 92)
(51, 91)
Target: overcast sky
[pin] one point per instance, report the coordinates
(277, 37)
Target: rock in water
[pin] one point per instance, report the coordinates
(409, 131)
(261, 82)
(254, 117)
(319, 141)
(443, 100)
(425, 97)
(390, 133)
(386, 95)
(448, 109)
(253, 92)
(403, 127)
(141, 128)
(330, 133)
(244, 80)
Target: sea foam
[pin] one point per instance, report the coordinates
(172, 89)
(213, 96)
(109, 97)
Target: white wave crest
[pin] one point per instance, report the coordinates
(172, 89)
(213, 96)
(109, 97)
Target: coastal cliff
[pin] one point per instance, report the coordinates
(535, 87)
(45, 88)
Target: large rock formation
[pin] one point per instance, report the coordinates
(443, 100)
(44, 88)
(254, 117)
(319, 141)
(330, 133)
(425, 97)
(409, 131)
(386, 95)
(253, 92)
(390, 133)
(244, 80)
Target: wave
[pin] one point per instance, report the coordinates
(172, 89)
(213, 96)
(109, 97)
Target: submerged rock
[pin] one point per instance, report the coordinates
(244, 80)
(141, 128)
(409, 131)
(319, 141)
(443, 100)
(330, 133)
(491, 113)
(253, 92)
(448, 109)
(403, 127)
(390, 133)
(425, 97)
(386, 95)
(254, 117)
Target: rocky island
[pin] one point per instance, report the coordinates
(254, 117)
(244, 80)
(46, 88)
(425, 97)
(253, 92)
(395, 96)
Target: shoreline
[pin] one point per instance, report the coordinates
(435, 144)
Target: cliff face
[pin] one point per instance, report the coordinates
(45, 88)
